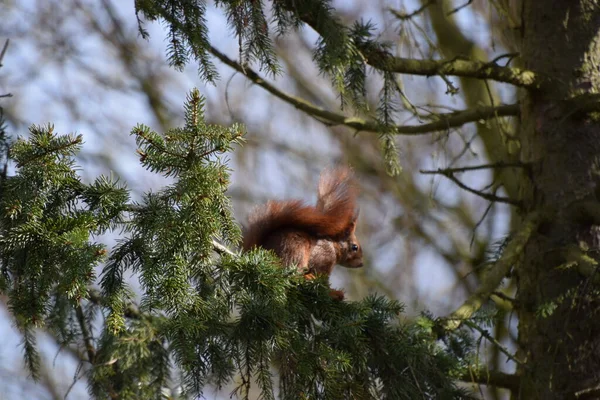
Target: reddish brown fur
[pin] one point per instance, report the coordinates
(314, 238)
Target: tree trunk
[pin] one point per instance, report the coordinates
(559, 308)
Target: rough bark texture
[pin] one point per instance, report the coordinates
(561, 39)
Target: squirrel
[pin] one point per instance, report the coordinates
(313, 238)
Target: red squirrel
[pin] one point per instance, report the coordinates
(314, 238)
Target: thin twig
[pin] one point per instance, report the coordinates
(510, 57)
(487, 196)
(478, 224)
(221, 249)
(588, 393)
(497, 379)
(505, 297)
(404, 16)
(457, 9)
(3, 52)
(493, 340)
(495, 274)
(497, 165)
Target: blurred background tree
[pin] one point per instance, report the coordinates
(84, 66)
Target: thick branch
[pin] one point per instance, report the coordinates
(456, 67)
(444, 122)
(384, 61)
(494, 276)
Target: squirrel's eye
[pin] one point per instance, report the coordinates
(354, 247)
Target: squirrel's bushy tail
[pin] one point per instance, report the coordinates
(332, 217)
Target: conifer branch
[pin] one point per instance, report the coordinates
(131, 310)
(217, 247)
(495, 275)
(445, 121)
(384, 61)
(497, 379)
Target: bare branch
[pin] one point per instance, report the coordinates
(494, 276)
(222, 249)
(498, 165)
(402, 16)
(87, 337)
(457, 9)
(3, 52)
(588, 393)
(494, 341)
(488, 196)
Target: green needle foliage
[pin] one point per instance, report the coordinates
(203, 318)
(340, 53)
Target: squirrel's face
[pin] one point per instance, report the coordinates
(351, 252)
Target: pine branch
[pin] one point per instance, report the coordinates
(444, 122)
(497, 379)
(217, 247)
(131, 310)
(495, 274)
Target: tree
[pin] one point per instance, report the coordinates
(539, 153)
(213, 318)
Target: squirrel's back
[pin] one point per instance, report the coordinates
(332, 217)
